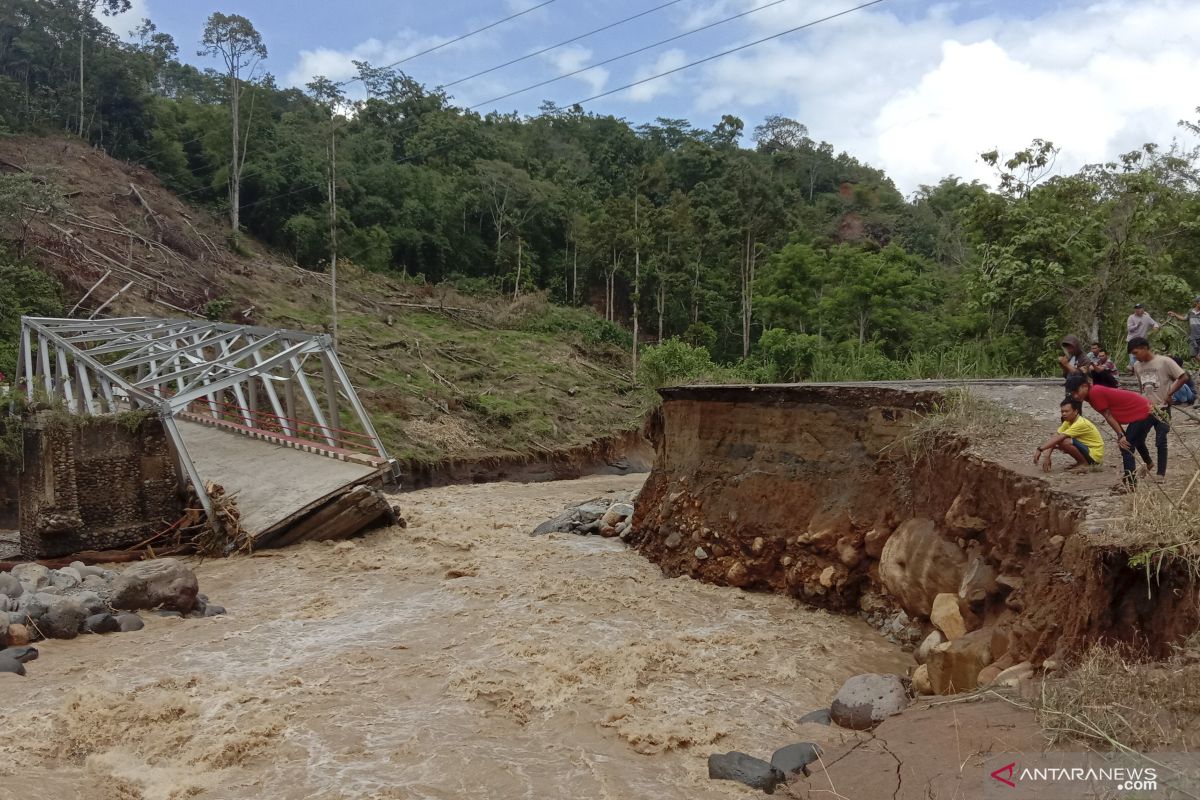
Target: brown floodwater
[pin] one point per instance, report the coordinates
(457, 657)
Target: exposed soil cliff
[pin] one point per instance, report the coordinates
(824, 493)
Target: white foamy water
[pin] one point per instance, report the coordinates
(457, 657)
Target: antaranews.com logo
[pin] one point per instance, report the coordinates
(1066, 776)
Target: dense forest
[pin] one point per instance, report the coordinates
(761, 252)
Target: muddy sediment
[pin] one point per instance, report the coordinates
(457, 657)
(822, 493)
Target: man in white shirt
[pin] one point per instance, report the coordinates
(1139, 325)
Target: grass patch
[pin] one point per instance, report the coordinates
(1161, 530)
(1112, 699)
(958, 416)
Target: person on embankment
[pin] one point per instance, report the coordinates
(1131, 417)
(1139, 324)
(1078, 437)
(1073, 360)
(1159, 378)
(1192, 318)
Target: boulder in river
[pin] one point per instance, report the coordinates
(130, 622)
(864, 701)
(161, 583)
(22, 654)
(63, 618)
(101, 623)
(743, 768)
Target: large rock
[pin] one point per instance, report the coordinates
(955, 666)
(563, 523)
(130, 622)
(18, 635)
(819, 717)
(10, 585)
(920, 680)
(795, 758)
(917, 565)
(931, 641)
(754, 772)
(101, 623)
(63, 618)
(65, 578)
(947, 616)
(8, 664)
(864, 701)
(22, 654)
(162, 583)
(33, 576)
(979, 581)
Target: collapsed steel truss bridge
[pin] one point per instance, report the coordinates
(284, 385)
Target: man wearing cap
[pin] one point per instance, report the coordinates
(1192, 318)
(1129, 414)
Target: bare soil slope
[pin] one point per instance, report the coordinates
(446, 377)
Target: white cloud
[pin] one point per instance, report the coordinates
(337, 64)
(923, 97)
(569, 59)
(123, 24)
(669, 60)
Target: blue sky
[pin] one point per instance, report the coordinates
(918, 88)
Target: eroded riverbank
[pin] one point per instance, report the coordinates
(458, 657)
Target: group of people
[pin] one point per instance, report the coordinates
(1092, 377)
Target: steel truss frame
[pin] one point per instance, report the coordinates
(186, 367)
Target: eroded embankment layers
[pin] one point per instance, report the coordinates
(825, 494)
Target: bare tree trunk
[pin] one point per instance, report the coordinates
(662, 302)
(696, 292)
(235, 177)
(517, 285)
(575, 277)
(333, 226)
(82, 28)
(637, 275)
(746, 297)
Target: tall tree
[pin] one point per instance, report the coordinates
(87, 14)
(332, 98)
(234, 39)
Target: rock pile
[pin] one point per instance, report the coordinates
(601, 516)
(41, 603)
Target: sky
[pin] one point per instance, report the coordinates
(916, 88)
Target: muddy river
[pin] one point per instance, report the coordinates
(459, 657)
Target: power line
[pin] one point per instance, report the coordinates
(455, 40)
(652, 46)
(724, 53)
(663, 74)
(560, 44)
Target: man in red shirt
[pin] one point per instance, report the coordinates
(1130, 416)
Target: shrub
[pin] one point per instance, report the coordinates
(24, 291)
(672, 362)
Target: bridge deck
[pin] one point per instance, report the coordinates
(271, 483)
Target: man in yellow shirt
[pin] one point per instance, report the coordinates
(1077, 437)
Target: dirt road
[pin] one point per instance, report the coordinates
(459, 657)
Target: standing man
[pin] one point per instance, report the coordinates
(1138, 324)
(1129, 415)
(1159, 378)
(1192, 318)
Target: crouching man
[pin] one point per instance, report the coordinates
(1077, 437)
(1127, 413)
